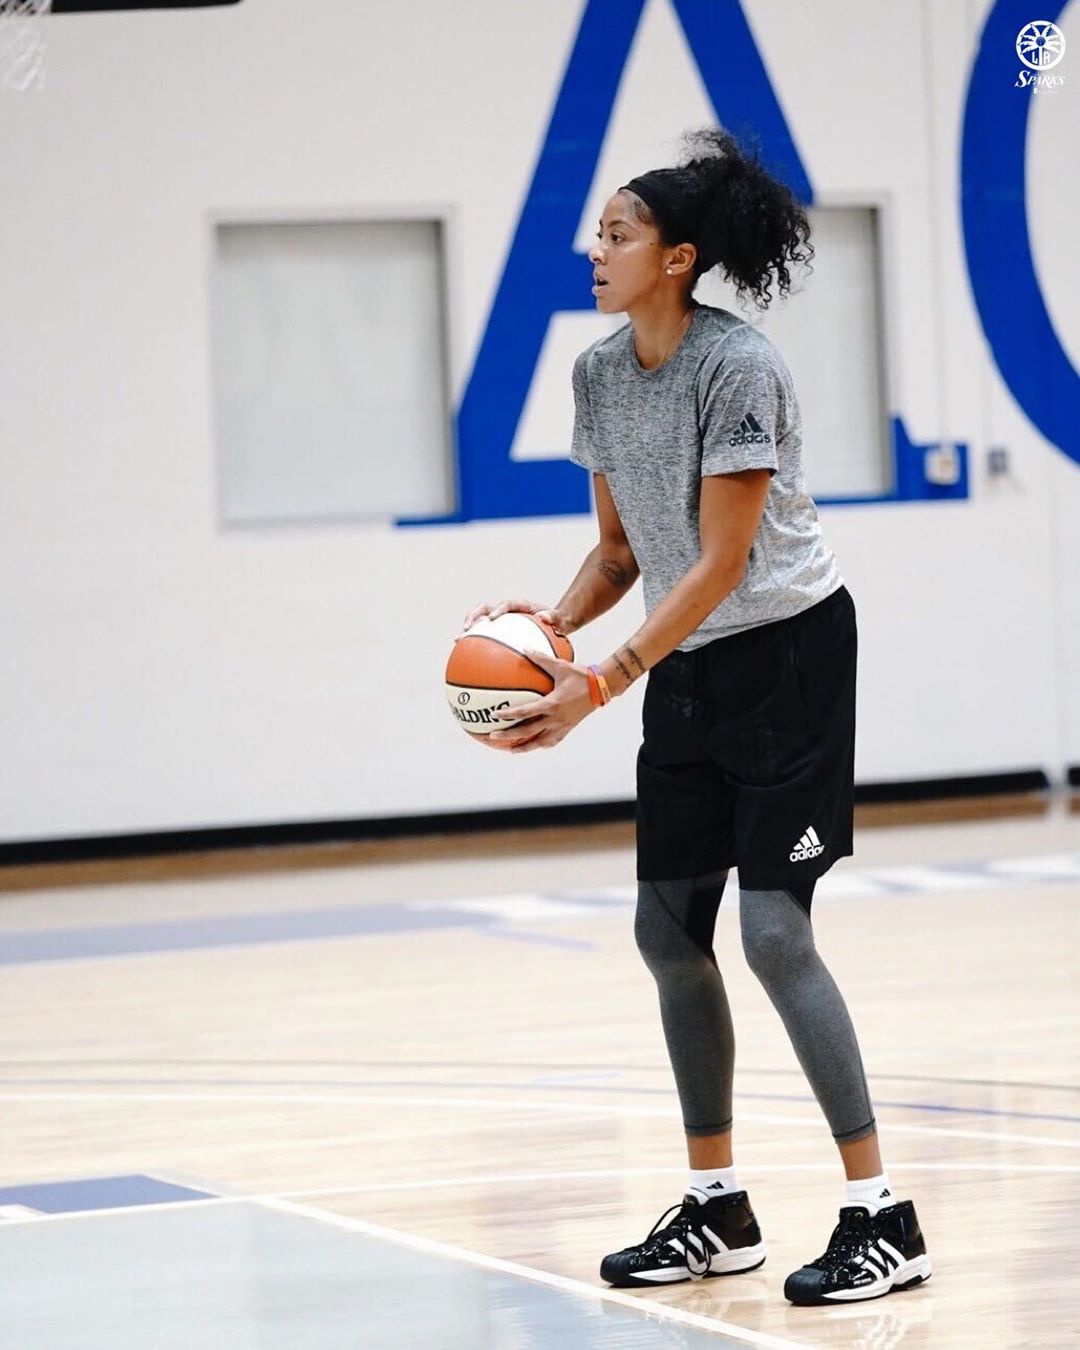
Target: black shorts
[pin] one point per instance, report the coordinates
(748, 754)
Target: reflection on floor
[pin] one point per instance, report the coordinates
(416, 1101)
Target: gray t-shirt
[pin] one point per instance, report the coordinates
(724, 401)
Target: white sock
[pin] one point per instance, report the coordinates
(713, 1181)
(873, 1192)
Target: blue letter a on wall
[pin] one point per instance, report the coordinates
(544, 276)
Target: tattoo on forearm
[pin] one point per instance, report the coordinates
(614, 572)
(635, 658)
(622, 667)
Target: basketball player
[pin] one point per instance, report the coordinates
(688, 421)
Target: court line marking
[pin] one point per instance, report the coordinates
(582, 1174)
(494, 915)
(554, 1083)
(551, 1083)
(576, 1068)
(111, 1212)
(599, 1109)
(642, 1306)
(501, 1178)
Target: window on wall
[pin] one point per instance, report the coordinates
(330, 371)
(831, 334)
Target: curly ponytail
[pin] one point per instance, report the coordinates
(743, 220)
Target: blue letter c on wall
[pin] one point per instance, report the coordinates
(1026, 349)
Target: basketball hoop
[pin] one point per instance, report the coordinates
(22, 44)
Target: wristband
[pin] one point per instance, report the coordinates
(601, 684)
(595, 697)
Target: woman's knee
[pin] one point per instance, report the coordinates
(653, 929)
(776, 934)
(661, 925)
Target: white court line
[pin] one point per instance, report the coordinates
(113, 1210)
(495, 1179)
(641, 1306)
(575, 1109)
(519, 1178)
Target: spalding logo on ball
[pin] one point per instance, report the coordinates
(488, 669)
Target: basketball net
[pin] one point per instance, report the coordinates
(22, 44)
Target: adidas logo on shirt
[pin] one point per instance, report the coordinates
(809, 846)
(750, 432)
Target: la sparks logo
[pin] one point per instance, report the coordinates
(1040, 45)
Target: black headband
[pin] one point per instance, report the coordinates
(663, 191)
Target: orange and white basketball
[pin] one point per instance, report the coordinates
(488, 669)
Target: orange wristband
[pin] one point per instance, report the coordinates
(601, 684)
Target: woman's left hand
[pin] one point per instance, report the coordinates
(546, 721)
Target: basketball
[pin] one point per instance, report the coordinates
(488, 669)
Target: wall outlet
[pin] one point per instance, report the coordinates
(941, 465)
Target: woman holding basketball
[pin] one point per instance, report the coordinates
(688, 421)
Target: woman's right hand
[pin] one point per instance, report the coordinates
(545, 612)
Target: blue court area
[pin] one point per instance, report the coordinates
(81, 1195)
(246, 1277)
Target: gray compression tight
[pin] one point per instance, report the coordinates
(673, 928)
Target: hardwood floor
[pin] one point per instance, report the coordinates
(464, 1046)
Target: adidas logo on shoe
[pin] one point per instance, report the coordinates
(867, 1256)
(750, 432)
(809, 846)
(708, 1237)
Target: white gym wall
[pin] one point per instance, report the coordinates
(163, 668)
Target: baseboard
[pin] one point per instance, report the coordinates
(97, 847)
(939, 789)
(307, 832)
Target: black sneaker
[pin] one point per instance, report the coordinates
(718, 1236)
(868, 1256)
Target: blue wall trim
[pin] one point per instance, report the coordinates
(910, 483)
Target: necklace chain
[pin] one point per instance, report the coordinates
(689, 314)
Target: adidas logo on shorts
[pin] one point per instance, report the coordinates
(750, 432)
(809, 846)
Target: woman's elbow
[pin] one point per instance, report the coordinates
(620, 550)
(725, 571)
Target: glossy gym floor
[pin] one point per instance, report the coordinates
(408, 1094)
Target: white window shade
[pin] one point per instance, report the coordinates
(830, 332)
(330, 370)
